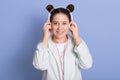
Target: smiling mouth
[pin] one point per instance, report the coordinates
(60, 32)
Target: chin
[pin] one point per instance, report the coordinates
(60, 36)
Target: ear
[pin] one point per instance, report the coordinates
(49, 8)
(70, 7)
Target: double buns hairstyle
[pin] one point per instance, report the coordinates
(67, 11)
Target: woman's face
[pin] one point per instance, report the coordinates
(60, 25)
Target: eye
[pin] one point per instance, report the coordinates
(55, 23)
(64, 23)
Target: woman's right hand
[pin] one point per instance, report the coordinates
(46, 32)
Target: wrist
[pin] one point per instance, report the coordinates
(45, 41)
(78, 41)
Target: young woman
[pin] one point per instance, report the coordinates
(58, 55)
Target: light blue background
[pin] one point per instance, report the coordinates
(21, 24)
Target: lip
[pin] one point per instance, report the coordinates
(59, 32)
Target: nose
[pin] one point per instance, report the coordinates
(59, 26)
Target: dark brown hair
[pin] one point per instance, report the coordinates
(67, 11)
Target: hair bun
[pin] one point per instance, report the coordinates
(70, 7)
(49, 7)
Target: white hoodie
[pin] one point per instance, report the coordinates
(75, 59)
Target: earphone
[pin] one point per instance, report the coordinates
(71, 15)
(49, 14)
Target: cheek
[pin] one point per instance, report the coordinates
(53, 28)
(66, 28)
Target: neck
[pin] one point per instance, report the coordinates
(59, 40)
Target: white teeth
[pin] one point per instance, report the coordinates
(59, 32)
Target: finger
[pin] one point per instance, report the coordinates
(47, 27)
(71, 29)
(73, 24)
(48, 23)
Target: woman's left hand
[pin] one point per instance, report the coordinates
(75, 32)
